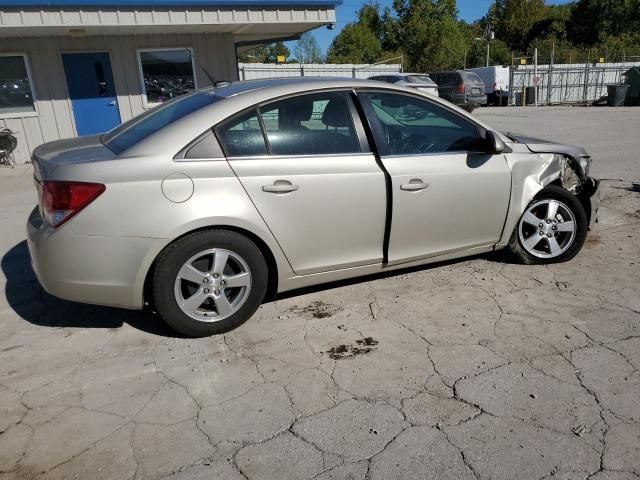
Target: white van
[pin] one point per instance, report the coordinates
(496, 83)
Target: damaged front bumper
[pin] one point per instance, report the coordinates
(591, 194)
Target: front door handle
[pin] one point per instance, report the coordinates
(280, 186)
(414, 185)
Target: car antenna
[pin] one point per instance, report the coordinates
(211, 78)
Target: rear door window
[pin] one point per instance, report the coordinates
(315, 124)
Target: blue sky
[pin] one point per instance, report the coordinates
(469, 10)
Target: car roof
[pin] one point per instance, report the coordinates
(230, 89)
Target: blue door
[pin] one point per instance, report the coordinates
(92, 92)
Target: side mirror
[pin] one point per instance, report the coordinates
(495, 144)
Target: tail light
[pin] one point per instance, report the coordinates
(460, 88)
(495, 87)
(62, 200)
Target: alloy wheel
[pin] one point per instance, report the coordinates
(547, 228)
(212, 285)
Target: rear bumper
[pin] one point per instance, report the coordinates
(470, 99)
(89, 269)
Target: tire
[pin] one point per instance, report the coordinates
(570, 243)
(469, 108)
(183, 268)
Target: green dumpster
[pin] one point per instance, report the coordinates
(632, 78)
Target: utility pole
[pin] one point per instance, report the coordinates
(535, 77)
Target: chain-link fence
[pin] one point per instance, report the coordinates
(565, 83)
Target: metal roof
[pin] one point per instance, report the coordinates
(173, 3)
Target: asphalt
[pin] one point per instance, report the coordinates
(464, 370)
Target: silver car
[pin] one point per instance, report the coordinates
(419, 81)
(206, 205)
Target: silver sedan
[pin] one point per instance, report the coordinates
(207, 205)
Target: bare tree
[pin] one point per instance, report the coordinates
(307, 49)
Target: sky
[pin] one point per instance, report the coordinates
(470, 10)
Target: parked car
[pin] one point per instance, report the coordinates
(496, 83)
(419, 81)
(461, 88)
(206, 205)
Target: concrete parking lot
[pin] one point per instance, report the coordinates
(470, 369)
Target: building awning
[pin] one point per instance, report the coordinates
(249, 21)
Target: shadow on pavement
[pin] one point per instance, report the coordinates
(29, 300)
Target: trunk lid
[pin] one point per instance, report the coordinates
(47, 157)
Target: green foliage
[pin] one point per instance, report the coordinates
(593, 21)
(513, 20)
(356, 43)
(430, 37)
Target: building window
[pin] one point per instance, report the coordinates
(16, 90)
(166, 73)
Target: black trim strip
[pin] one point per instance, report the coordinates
(363, 109)
(264, 130)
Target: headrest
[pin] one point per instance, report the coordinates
(336, 114)
(295, 111)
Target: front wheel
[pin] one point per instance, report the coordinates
(209, 282)
(552, 229)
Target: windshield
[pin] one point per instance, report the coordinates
(137, 129)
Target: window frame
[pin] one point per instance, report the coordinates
(27, 64)
(145, 103)
(351, 98)
(376, 125)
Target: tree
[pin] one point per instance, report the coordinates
(307, 49)
(512, 20)
(431, 36)
(592, 21)
(356, 43)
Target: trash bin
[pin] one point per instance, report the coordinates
(616, 95)
(531, 95)
(632, 78)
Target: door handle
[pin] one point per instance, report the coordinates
(414, 185)
(280, 186)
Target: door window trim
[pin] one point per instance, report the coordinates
(359, 129)
(376, 126)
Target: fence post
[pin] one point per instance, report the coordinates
(353, 72)
(302, 70)
(242, 77)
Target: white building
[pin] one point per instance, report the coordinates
(71, 67)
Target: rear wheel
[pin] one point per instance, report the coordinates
(552, 229)
(469, 108)
(209, 282)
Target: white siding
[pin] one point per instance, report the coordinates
(215, 52)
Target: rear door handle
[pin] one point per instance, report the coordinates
(280, 186)
(414, 185)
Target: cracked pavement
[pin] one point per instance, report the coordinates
(473, 369)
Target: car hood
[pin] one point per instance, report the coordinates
(538, 145)
(71, 150)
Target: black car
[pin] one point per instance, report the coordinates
(461, 88)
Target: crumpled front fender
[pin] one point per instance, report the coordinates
(530, 174)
